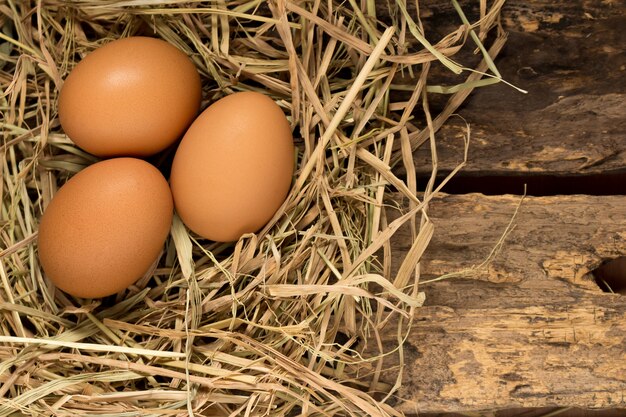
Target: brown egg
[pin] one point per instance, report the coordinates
(233, 168)
(105, 227)
(132, 97)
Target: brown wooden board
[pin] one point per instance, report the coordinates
(570, 57)
(539, 412)
(531, 329)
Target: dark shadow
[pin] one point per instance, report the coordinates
(609, 183)
(611, 276)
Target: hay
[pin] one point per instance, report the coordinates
(284, 322)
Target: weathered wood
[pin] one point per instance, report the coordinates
(570, 57)
(537, 412)
(555, 238)
(530, 330)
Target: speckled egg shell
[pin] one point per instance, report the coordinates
(105, 227)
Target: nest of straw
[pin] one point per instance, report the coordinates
(288, 321)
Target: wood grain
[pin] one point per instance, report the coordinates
(571, 58)
(532, 329)
(539, 412)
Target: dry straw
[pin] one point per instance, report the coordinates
(289, 321)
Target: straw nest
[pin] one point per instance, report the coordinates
(284, 322)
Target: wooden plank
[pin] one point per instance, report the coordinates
(570, 57)
(532, 329)
(539, 412)
(562, 238)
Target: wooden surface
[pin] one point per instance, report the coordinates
(530, 330)
(571, 58)
(539, 412)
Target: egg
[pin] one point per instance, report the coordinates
(105, 227)
(131, 97)
(233, 168)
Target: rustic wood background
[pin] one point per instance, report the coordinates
(570, 57)
(532, 329)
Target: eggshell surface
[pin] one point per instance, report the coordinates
(233, 168)
(105, 227)
(131, 97)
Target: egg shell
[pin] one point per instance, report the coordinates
(105, 227)
(233, 168)
(131, 97)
